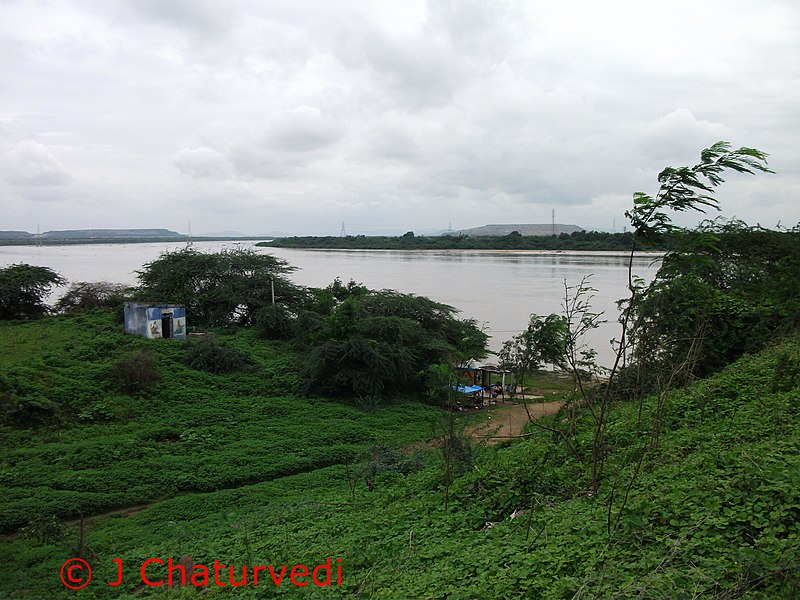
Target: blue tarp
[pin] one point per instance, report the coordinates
(467, 389)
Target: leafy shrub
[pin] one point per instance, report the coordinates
(274, 322)
(29, 411)
(220, 288)
(726, 290)
(136, 371)
(45, 529)
(84, 295)
(207, 355)
(375, 342)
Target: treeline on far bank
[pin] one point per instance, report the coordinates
(579, 240)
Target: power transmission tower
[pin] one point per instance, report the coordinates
(553, 217)
(343, 233)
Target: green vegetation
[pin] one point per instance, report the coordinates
(83, 295)
(651, 483)
(90, 427)
(24, 289)
(727, 289)
(582, 240)
(219, 288)
(372, 343)
(713, 511)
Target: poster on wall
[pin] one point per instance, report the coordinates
(154, 329)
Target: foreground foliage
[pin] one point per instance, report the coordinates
(92, 419)
(714, 512)
(727, 289)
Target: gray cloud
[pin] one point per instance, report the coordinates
(26, 162)
(31, 163)
(384, 114)
(202, 162)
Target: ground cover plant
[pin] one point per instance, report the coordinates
(714, 512)
(79, 437)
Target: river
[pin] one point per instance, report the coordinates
(499, 289)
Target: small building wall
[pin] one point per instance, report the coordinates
(149, 320)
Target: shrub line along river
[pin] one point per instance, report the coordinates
(497, 288)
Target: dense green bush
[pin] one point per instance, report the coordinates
(728, 289)
(136, 371)
(371, 343)
(220, 288)
(275, 322)
(28, 411)
(208, 355)
(84, 295)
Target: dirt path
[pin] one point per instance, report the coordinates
(507, 420)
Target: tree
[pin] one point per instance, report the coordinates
(681, 189)
(84, 295)
(220, 288)
(373, 342)
(23, 290)
(543, 342)
(733, 283)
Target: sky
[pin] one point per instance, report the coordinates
(381, 117)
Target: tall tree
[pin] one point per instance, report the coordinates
(23, 290)
(219, 288)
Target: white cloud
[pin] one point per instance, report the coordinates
(202, 162)
(680, 134)
(29, 163)
(386, 114)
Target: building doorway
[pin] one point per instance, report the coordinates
(166, 326)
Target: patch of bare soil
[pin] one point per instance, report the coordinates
(507, 420)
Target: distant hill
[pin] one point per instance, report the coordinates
(89, 236)
(105, 234)
(111, 236)
(524, 229)
(15, 235)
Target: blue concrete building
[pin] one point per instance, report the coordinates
(155, 321)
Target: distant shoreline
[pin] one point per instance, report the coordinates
(591, 241)
(117, 240)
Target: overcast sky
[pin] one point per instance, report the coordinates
(272, 116)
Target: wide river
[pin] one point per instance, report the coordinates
(499, 289)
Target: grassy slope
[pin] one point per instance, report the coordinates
(192, 432)
(714, 512)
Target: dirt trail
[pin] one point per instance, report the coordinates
(507, 420)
